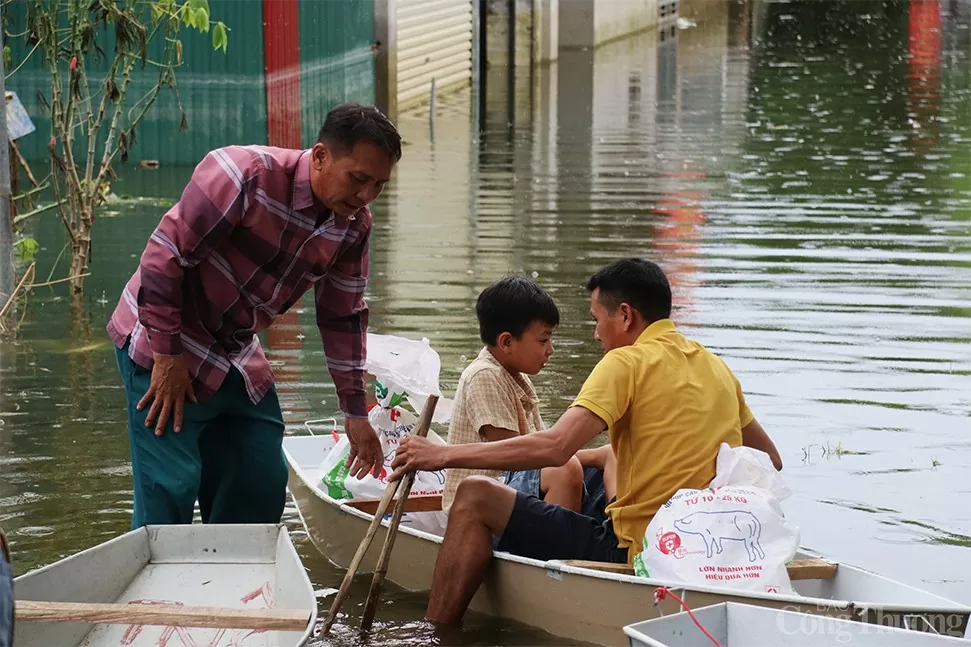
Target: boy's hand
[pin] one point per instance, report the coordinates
(416, 454)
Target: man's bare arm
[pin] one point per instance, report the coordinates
(550, 448)
(754, 436)
(495, 434)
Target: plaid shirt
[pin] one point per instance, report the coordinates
(243, 244)
(488, 394)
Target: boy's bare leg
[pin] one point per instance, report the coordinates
(602, 458)
(481, 508)
(610, 473)
(596, 457)
(563, 485)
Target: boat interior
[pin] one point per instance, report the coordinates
(813, 576)
(253, 567)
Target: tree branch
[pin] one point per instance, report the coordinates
(95, 126)
(113, 129)
(72, 17)
(26, 58)
(111, 148)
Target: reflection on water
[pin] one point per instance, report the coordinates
(802, 171)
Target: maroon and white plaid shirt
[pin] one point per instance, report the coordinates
(243, 244)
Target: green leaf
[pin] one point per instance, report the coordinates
(7, 55)
(200, 14)
(187, 16)
(220, 37)
(202, 19)
(27, 249)
(197, 5)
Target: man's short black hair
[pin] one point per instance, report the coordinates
(350, 123)
(636, 282)
(512, 305)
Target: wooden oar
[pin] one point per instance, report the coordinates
(408, 480)
(171, 615)
(421, 430)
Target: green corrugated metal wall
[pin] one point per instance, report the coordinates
(224, 95)
(336, 60)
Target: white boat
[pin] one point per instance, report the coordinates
(231, 567)
(579, 600)
(744, 625)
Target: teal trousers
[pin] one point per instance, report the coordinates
(228, 456)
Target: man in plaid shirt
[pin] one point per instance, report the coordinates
(256, 228)
(6, 594)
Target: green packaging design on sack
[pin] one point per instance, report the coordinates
(390, 395)
(640, 569)
(334, 480)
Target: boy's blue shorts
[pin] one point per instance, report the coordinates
(525, 481)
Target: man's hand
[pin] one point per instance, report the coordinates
(169, 388)
(416, 454)
(366, 455)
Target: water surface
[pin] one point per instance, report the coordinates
(800, 170)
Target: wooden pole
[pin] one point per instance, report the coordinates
(422, 430)
(13, 295)
(7, 271)
(335, 606)
(409, 479)
(170, 615)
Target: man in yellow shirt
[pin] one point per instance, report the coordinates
(667, 404)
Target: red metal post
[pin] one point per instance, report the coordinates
(281, 43)
(281, 46)
(924, 70)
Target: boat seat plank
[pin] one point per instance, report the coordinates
(811, 569)
(799, 569)
(171, 615)
(607, 567)
(422, 503)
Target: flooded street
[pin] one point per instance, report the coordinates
(803, 172)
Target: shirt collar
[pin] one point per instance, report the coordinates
(527, 395)
(655, 330)
(303, 196)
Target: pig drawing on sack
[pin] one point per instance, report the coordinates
(713, 527)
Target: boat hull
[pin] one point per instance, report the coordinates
(578, 603)
(742, 625)
(244, 567)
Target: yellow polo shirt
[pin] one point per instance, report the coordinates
(668, 403)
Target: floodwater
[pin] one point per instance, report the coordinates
(802, 170)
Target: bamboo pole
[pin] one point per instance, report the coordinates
(13, 295)
(170, 615)
(335, 606)
(421, 430)
(7, 271)
(385, 558)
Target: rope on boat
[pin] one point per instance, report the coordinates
(662, 592)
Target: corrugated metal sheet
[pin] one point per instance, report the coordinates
(281, 42)
(434, 42)
(336, 59)
(223, 94)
